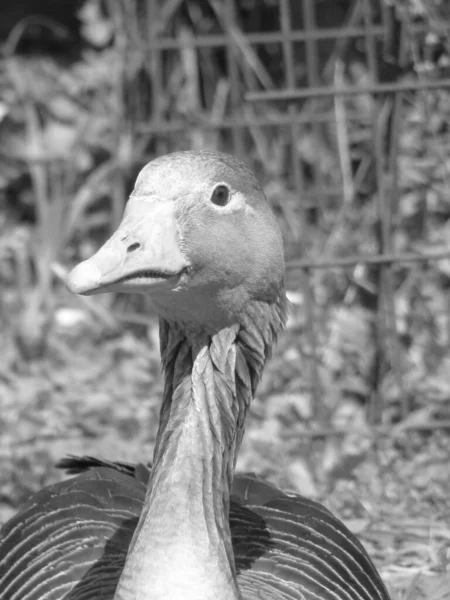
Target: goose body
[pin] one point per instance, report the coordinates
(71, 539)
(198, 236)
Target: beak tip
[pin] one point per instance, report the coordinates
(84, 278)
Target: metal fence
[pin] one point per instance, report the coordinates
(324, 56)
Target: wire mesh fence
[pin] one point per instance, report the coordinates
(318, 96)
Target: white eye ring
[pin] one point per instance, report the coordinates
(220, 195)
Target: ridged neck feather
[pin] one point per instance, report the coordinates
(182, 545)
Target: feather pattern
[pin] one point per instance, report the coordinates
(70, 541)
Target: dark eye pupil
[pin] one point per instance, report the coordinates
(220, 195)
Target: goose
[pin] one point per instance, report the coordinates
(198, 236)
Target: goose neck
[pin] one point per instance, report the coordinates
(182, 545)
(182, 548)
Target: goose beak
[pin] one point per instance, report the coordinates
(142, 255)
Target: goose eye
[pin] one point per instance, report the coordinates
(221, 195)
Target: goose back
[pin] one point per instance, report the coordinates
(70, 540)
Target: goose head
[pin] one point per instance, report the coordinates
(198, 236)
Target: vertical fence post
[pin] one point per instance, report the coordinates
(393, 148)
(156, 70)
(237, 132)
(314, 77)
(288, 55)
(119, 190)
(386, 329)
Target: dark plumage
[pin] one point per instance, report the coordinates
(285, 546)
(198, 236)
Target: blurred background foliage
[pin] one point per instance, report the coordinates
(355, 406)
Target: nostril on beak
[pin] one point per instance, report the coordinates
(133, 247)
